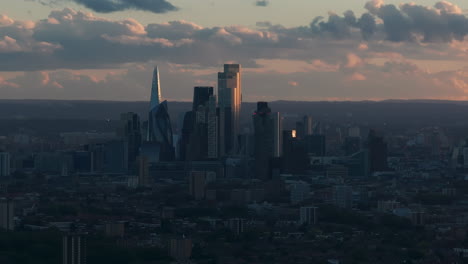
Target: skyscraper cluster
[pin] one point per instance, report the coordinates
(210, 138)
(211, 129)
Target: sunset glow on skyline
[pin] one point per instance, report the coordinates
(303, 50)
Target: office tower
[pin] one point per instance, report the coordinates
(203, 129)
(197, 185)
(354, 132)
(308, 126)
(130, 132)
(7, 213)
(212, 128)
(180, 249)
(317, 129)
(315, 145)
(377, 152)
(358, 164)
(266, 129)
(236, 225)
(82, 161)
(108, 157)
(308, 215)
(184, 141)
(295, 158)
(201, 96)
(417, 218)
(300, 191)
(115, 229)
(352, 145)
(74, 249)
(246, 145)
(4, 164)
(300, 130)
(144, 179)
(288, 140)
(337, 172)
(304, 127)
(343, 196)
(159, 123)
(198, 181)
(229, 100)
(115, 158)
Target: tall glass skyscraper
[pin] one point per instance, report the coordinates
(267, 127)
(200, 128)
(229, 102)
(159, 122)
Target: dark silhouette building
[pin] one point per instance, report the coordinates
(184, 140)
(201, 96)
(295, 158)
(304, 127)
(130, 132)
(267, 127)
(377, 148)
(351, 145)
(203, 142)
(199, 139)
(74, 249)
(315, 145)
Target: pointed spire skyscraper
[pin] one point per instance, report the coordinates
(155, 89)
(159, 122)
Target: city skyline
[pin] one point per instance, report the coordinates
(378, 50)
(248, 131)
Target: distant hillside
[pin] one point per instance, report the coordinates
(392, 111)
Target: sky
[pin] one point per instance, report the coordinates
(303, 50)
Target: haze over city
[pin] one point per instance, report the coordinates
(290, 50)
(233, 132)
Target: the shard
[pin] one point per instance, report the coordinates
(159, 122)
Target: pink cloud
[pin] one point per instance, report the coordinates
(57, 85)
(4, 82)
(353, 61)
(45, 78)
(6, 21)
(357, 77)
(293, 83)
(9, 44)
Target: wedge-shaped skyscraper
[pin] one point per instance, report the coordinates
(159, 122)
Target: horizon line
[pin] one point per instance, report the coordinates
(273, 101)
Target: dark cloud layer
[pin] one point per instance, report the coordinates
(262, 3)
(109, 6)
(69, 39)
(406, 23)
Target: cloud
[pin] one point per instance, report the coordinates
(109, 6)
(262, 3)
(8, 44)
(395, 79)
(442, 23)
(69, 39)
(5, 21)
(372, 55)
(449, 8)
(353, 61)
(357, 77)
(4, 83)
